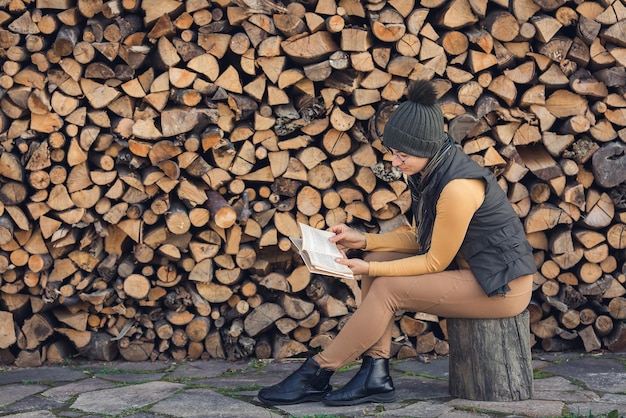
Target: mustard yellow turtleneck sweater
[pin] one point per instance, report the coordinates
(455, 208)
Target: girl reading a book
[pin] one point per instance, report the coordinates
(466, 257)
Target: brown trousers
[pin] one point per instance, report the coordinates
(450, 294)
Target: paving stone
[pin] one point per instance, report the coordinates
(13, 393)
(613, 398)
(559, 356)
(606, 375)
(595, 408)
(420, 409)
(41, 374)
(130, 377)
(282, 366)
(554, 383)
(206, 403)
(562, 389)
(248, 377)
(537, 364)
(95, 416)
(455, 413)
(251, 395)
(70, 414)
(528, 408)
(205, 369)
(417, 387)
(34, 414)
(99, 416)
(33, 403)
(578, 396)
(245, 381)
(69, 390)
(117, 400)
(437, 368)
(318, 408)
(130, 366)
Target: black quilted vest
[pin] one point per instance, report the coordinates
(495, 246)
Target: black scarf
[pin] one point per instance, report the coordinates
(422, 188)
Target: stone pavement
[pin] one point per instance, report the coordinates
(566, 385)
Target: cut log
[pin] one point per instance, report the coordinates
(471, 378)
(609, 164)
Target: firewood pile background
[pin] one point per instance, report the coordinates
(156, 155)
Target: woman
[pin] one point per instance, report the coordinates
(467, 257)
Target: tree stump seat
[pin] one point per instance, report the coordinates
(490, 359)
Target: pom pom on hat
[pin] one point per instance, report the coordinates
(416, 126)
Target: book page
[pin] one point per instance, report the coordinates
(316, 240)
(319, 254)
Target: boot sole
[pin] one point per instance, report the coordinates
(377, 398)
(310, 398)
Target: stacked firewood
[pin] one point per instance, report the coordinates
(156, 156)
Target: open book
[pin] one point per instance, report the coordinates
(319, 254)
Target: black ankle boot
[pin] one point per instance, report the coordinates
(307, 384)
(372, 383)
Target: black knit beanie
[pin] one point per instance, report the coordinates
(416, 126)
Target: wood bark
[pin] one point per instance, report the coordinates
(485, 353)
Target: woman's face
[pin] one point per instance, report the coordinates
(408, 164)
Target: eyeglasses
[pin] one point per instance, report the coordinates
(396, 155)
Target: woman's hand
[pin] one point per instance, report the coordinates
(347, 237)
(353, 239)
(358, 266)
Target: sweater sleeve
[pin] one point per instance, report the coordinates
(456, 206)
(404, 242)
